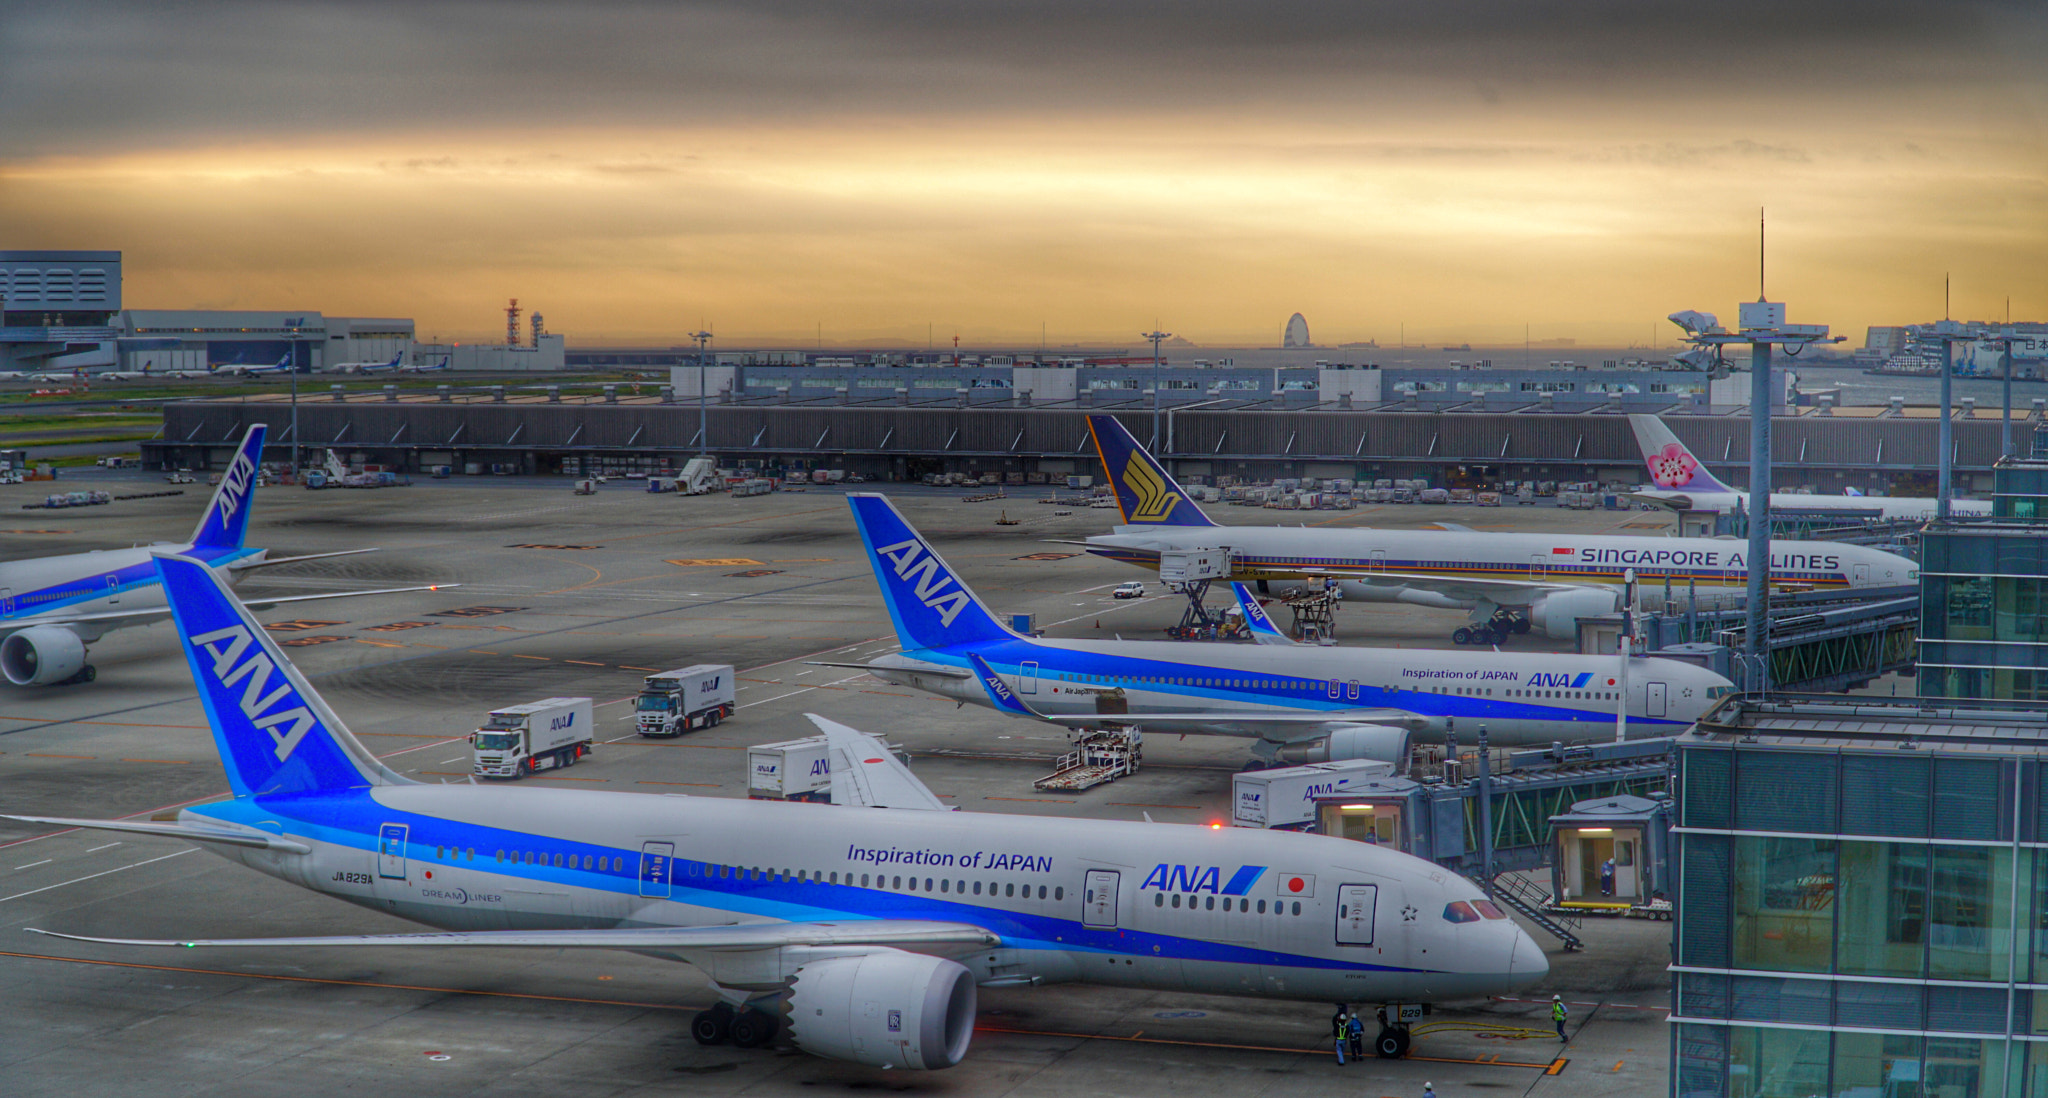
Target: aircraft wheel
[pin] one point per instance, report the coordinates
(1521, 625)
(752, 1029)
(714, 1026)
(1405, 1040)
(1389, 1045)
(89, 673)
(1497, 636)
(1461, 635)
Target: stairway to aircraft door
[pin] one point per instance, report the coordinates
(655, 861)
(1654, 700)
(1098, 898)
(391, 852)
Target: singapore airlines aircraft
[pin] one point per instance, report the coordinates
(1684, 484)
(852, 934)
(1511, 583)
(51, 608)
(1300, 703)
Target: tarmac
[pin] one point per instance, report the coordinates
(568, 595)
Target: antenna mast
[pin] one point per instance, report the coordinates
(1760, 254)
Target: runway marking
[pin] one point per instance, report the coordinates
(630, 667)
(1141, 804)
(586, 663)
(777, 697)
(517, 656)
(90, 876)
(1031, 800)
(97, 849)
(704, 785)
(167, 762)
(110, 724)
(32, 865)
(378, 644)
(42, 755)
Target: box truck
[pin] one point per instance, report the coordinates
(686, 699)
(1286, 798)
(524, 739)
(793, 770)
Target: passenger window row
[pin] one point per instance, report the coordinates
(896, 883)
(599, 863)
(1208, 903)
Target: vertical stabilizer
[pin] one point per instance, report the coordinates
(227, 518)
(1146, 493)
(1262, 628)
(1671, 465)
(274, 734)
(931, 606)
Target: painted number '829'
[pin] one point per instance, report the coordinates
(353, 878)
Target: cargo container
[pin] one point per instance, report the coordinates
(793, 770)
(1285, 799)
(524, 739)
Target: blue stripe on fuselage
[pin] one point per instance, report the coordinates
(353, 821)
(42, 601)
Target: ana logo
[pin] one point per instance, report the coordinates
(918, 566)
(234, 487)
(820, 767)
(227, 646)
(997, 686)
(1199, 878)
(1154, 501)
(560, 723)
(1560, 681)
(1672, 467)
(710, 684)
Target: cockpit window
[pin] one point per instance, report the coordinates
(1486, 908)
(1460, 912)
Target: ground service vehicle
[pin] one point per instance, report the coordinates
(684, 700)
(523, 739)
(1129, 589)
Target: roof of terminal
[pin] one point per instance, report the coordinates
(1835, 721)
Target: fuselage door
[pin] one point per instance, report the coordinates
(1539, 565)
(1377, 562)
(1356, 905)
(1653, 700)
(1027, 677)
(655, 861)
(113, 588)
(391, 852)
(1098, 898)
(7, 601)
(1860, 576)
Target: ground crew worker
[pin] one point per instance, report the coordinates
(1356, 1035)
(1340, 1031)
(1428, 1090)
(1557, 1014)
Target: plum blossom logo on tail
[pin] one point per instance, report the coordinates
(1672, 467)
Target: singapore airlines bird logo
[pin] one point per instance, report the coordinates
(1154, 501)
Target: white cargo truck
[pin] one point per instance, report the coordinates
(1286, 798)
(793, 770)
(524, 739)
(686, 699)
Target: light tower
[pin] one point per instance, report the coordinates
(1763, 327)
(512, 323)
(703, 435)
(1157, 337)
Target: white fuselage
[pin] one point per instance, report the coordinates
(1232, 911)
(82, 584)
(1886, 507)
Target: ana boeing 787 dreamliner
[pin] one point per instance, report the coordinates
(852, 933)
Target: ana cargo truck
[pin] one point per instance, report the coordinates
(525, 739)
(794, 770)
(686, 699)
(1285, 798)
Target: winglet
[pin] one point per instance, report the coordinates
(1255, 619)
(999, 693)
(1146, 494)
(866, 774)
(1671, 465)
(226, 520)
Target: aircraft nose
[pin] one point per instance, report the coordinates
(1526, 963)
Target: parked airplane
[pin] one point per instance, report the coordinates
(1510, 582)
(236, 369)
(52, 608)
(1299, 703)
(1684, 484)
(858, 935)
(419, 368)
(366, 367)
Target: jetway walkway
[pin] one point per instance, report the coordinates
(1820, 642)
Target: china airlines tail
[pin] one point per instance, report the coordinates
(1671, 465)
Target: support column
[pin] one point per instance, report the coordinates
(1758, 616)
(1943, 486)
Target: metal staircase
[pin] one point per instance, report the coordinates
(1529, 901)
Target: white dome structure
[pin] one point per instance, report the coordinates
(1297, 332)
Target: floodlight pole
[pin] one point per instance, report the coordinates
(1948, 333)
(1157, 337)
(703, 416)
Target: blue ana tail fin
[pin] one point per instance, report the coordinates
(931, 606)
(1671, 465)
(1145, 492)
(274, 734)
(227, 518)
(1262, 628)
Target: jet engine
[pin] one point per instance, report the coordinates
(1383, 743)
(885, 1009)
(1557, 615)
(41, 655)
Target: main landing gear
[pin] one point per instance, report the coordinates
(1494, 630)
(749, 1028)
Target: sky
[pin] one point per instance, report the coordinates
(787, 173)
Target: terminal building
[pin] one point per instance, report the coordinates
(1862, 904)
(1984, 594)
(54, 307)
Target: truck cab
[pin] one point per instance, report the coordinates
(684, 700)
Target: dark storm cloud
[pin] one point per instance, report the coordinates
(92, 77)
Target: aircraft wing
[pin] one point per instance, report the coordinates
(255, 839)
(272, 562)
(1505, 591)
(739, 937)
(866, 774)
(931, 669)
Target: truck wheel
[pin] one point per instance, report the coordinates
(712, 718)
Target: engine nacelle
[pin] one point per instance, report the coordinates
(884, 1009)
(1557, 615)
(1379, 742)
(41, 655)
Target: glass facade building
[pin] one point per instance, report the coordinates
(1984, 595)
(1862, 914)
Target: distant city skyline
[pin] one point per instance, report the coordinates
(798, 174)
